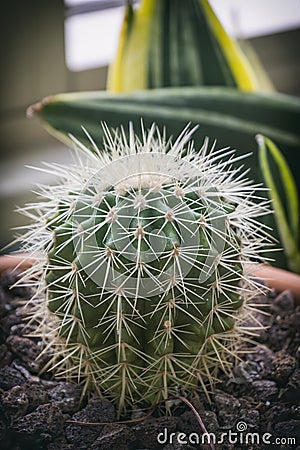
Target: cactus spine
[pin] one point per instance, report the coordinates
(140, 254)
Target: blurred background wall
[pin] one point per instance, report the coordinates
(34, 65)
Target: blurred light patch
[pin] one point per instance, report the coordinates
(91, 38)
(247, 19)
(79, 2)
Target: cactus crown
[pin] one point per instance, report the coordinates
(140, 261)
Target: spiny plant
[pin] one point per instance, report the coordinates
(140, 283)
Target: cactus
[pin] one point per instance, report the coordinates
(141, 254)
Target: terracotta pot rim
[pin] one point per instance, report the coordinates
(16, 261)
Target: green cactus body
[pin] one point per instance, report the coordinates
(144, 251)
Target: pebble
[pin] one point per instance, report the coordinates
(228, 408)
(283, 304)
(10, 377)
(251, 417)
(97, 410)
(15, 402)
(291, 392)
(226, 401)
(284, 366)
(60, 444)
(27, 351)
(289, 428)
(262, 358)
(67, 396)
(2, 430)
(147, 432)
(264, 389)
(188, 422)
(5, 356)
(9, 279)
(114, 436)
(37, 394)
(43, 424)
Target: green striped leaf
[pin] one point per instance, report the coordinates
(230, 116)
(283, 193)
(176, 43)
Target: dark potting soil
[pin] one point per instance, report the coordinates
(258, 408)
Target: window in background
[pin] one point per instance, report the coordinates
(248, 19)
(91, 38)
(92, 27)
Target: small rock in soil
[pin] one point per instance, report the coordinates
(251, 417)
(27, 351)
(10, 377)
(67, 396)
(279, 413)
(283, 331)
(2, 430)
(44, 424)
(284, 366)
(37, 395)
(7, 281)
(15, 402)
(9, 322)
(114, 436)
(263, 358)
(5, 356)
(264, 390)
(228, 408)
(290, 428)
(225, 401)
(292, 391)
(283, 304)
(60, 444)
(245, 372)
(97, 410)
(188, 422)
(148, 432)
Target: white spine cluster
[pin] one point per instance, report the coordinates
(146, 233)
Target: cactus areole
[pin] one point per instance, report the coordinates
(140, 255)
